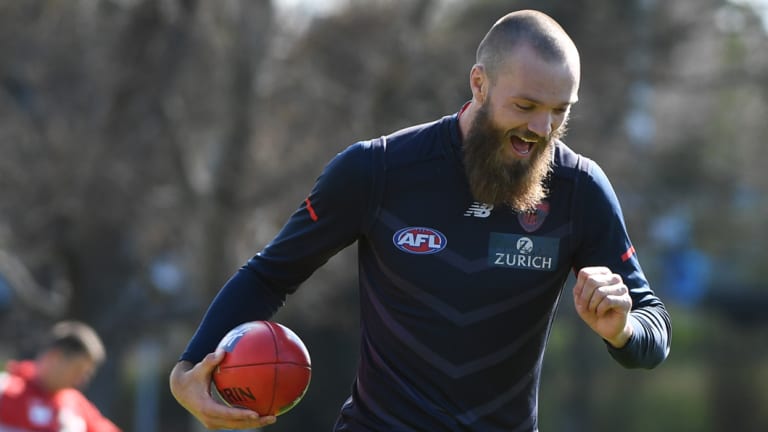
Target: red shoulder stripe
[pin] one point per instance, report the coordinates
(628, 254)
(311, 211)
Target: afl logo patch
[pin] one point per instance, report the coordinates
(419, 240)
(531, 221)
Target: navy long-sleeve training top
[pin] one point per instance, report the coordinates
(457, 297)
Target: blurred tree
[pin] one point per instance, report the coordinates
(98, 175)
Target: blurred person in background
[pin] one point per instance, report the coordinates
(43, 394)
(467, 230)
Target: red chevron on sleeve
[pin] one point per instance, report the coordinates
(311, 211)
(628, 254)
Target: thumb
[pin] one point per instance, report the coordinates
(210, 361)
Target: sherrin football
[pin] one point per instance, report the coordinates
(266, 368)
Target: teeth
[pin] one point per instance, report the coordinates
(522, 145)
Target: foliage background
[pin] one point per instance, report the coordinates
(149, 147)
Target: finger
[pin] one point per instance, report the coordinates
(218, 416)
(213, 409)
(598, 294)
(591, 284)
(587, 272)
(612, 287)
(605, 285)
(238, 424)
(597, 281)
(584, 275)
(620, 303)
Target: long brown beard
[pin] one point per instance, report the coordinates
(522, 184)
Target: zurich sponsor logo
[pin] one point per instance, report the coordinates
(419, 240)
(523, 252)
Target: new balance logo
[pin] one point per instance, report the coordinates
(478, 209)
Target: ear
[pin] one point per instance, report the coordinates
(478, 83)
(52, 355)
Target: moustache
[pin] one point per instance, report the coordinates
(529, 136)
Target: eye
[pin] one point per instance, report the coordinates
(561, 111)
(524, 107)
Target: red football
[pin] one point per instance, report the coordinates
(266, 368)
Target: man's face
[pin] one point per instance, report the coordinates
(508, 147)
(68, 371)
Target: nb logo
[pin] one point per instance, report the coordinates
(478, 209)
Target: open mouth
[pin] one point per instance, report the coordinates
(521, 146)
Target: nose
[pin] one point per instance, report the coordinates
(541, 124)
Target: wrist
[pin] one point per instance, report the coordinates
(621, 340)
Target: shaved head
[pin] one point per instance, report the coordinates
(533, 28)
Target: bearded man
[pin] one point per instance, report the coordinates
(467, 229)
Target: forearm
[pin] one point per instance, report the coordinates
(243, 298)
